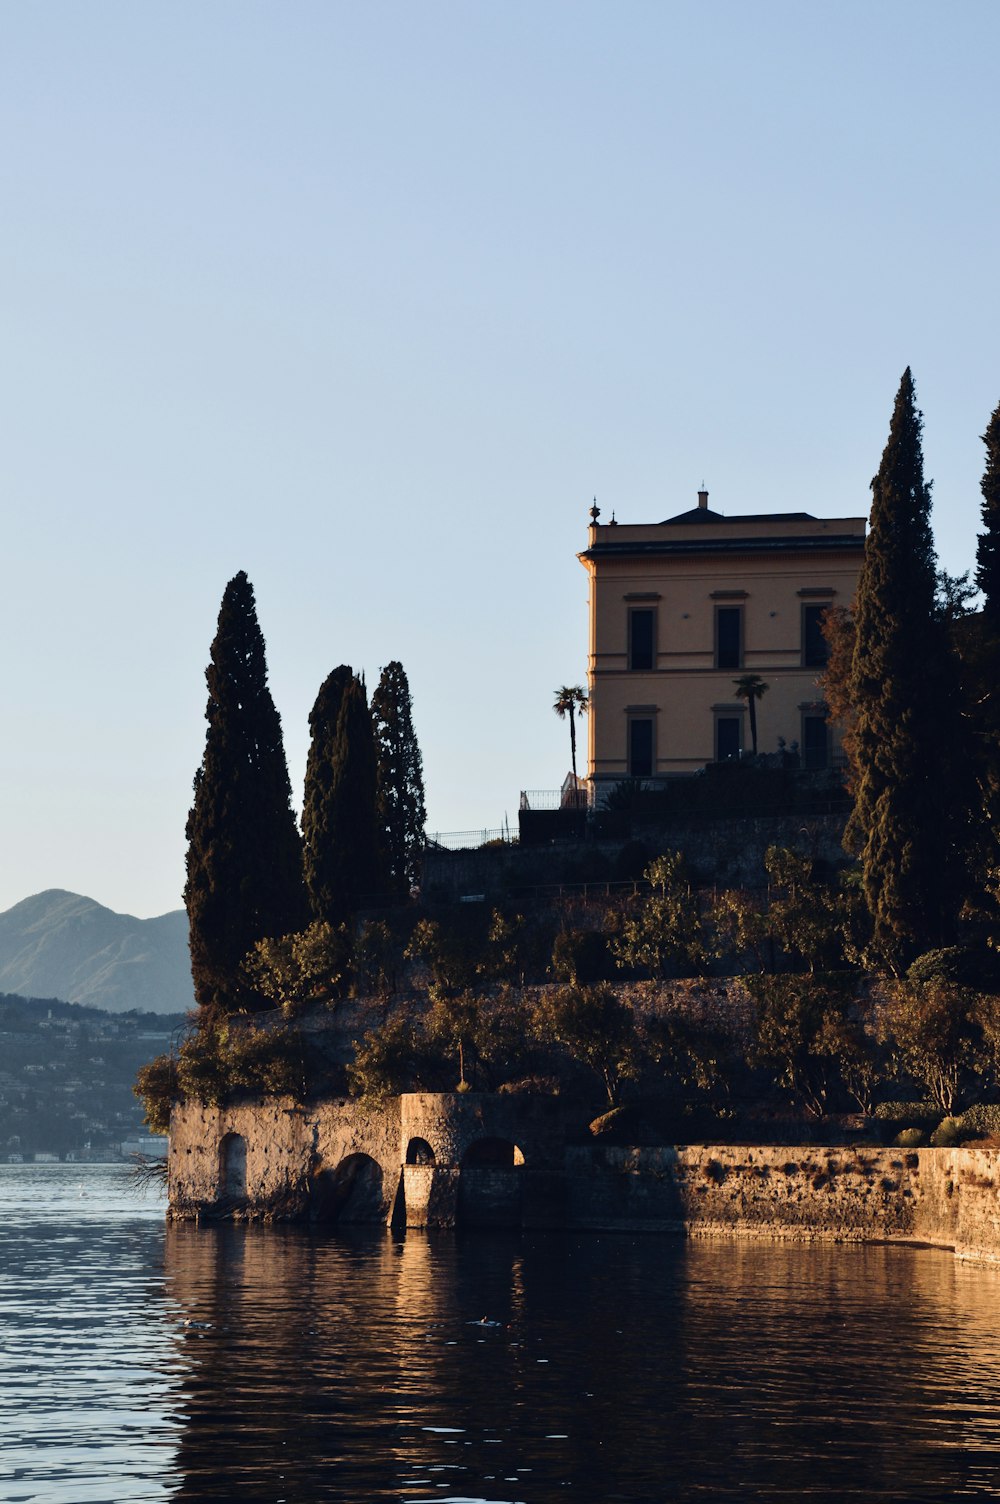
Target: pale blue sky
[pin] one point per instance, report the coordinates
(371, 299)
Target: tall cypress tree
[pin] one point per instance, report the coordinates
(401, 809)
(244, 858)
(320, 856)
(988, 548)
(910, 819)
(344, 855)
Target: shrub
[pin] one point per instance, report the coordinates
(387, 1061)
(959, 965)
(947, 1133)
(910, 1138)
(157, 1088)
(580, 956)
(981, 1121)
(907, 1112)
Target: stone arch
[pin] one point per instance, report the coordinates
(493, 1154)
(419, 1152)
(491, 1184)
(351, 1191)
(233, 1166)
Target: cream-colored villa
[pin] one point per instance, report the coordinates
(681, 609)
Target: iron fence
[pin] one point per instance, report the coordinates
(536, 799)
(469, 840)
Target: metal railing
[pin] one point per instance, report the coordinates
(536, 799)
(469, 840)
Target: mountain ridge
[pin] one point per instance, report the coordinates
(65, 945)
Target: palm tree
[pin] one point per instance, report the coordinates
(750, 688)
(569, 700)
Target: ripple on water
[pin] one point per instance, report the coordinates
(144, 1363)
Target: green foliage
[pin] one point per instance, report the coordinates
(804, 1034)
(223, 1058)
(322, 860)
(961, 965)
(452, 952)
(805, 917)
(571, 700)
(908, 1112)
(377, 957)
(580, 956)
(910, 822)
(933, 1034)
(157, 1087)
(596, 1028)
(742, 926)
(947, 1134)
(988, 547)
(244, 858)
(982, 1120)
(910, 1138)
(390, 1059)
(666, 933)
(507, 951)
(453, 1024)
(696, 1055)
(344, 856)
(751, 687)
(485, 1033)
(302, 970)
(400, 780)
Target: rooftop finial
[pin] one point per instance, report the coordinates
(595, 512)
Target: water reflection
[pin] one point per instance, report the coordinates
(495, 1368)
(199, 1364)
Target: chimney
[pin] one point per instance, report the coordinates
(703, 500)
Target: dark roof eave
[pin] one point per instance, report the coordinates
(836, 543)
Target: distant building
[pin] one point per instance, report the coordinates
(681, 609)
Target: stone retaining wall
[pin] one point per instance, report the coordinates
(434, 1160)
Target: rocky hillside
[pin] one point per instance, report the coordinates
(59, 944)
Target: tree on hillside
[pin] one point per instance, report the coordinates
(244, 858)
(400, 769)
(751, 687)
(571, 699)
(988, 548)
(910, 819)
(344, 855)
(321, 860)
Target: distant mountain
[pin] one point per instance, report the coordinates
(59, 944)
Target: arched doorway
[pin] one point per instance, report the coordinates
(493, 1153)
(491, 1184)
(233, 1166)
(419, 1152)
(350, 1192)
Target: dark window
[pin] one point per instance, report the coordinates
(640, 639)
(815, 741)
(640, 748)
(728, 634)
(814, 647)
(728, 738)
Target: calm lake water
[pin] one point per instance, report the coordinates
(140, 1362)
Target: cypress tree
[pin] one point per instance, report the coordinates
(344, 863)
(401, 810)
(320, 856)
(988, 548)
(910, 817)
(244, 858)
